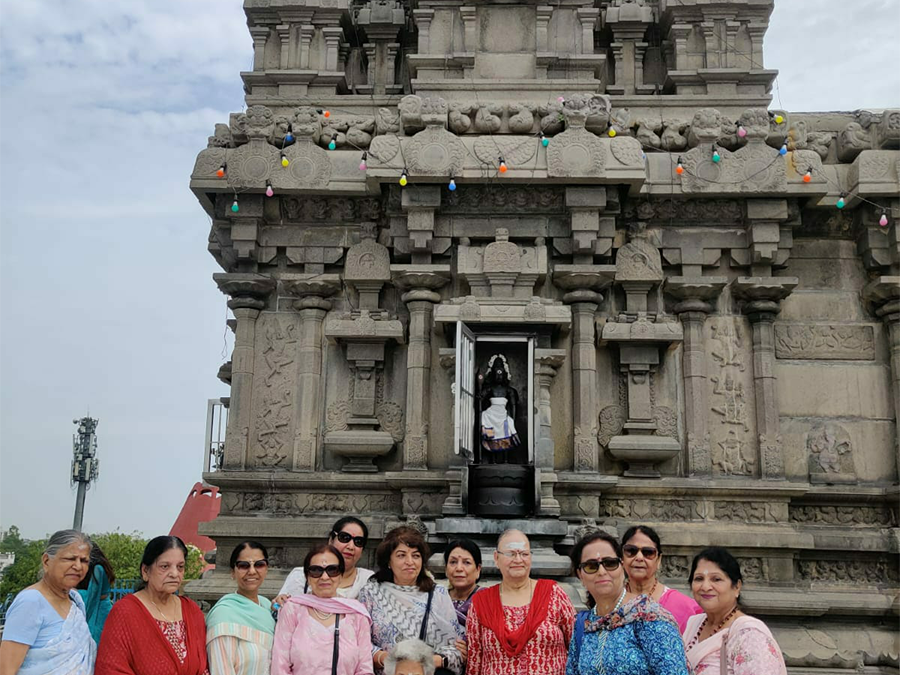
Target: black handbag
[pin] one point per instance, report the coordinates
(424, 629)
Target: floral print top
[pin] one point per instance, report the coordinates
(750, 649)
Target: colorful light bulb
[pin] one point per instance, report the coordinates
(841, 202)
(332, 144)
(716, 157)
(362, 163)
(269, 191)
(680, 168)
(285, 162)
(503, 166)
(235, 207)
(783, 149)
(221, 171)
(403, 178)
(544, 140)
(560, 99)
(807, 177)
(779, 119)
(611, 132)
(742, 132)
(289, 137)
(451, 185)
(883, 221)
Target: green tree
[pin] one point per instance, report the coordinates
(12, 542)
(123, 551)
(25, 570)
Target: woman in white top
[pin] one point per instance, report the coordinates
(349, 536)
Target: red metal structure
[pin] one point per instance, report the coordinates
(201, 505)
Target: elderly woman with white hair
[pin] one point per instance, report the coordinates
(46, 628)
(410, 657)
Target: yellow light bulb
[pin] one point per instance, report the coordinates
(612, 133)
(285, 162)
(403, 180)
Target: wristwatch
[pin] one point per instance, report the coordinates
(445, 662)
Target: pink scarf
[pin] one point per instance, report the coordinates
(331, 605)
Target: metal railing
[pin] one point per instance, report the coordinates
(216, 423)
(121, 588)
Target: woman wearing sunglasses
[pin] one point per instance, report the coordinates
(349, 536)
(240, 628)
(642, 553)
(622, 633)
(318, 632)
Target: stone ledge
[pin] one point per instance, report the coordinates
(323, 480)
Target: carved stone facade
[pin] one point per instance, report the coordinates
(705, 342)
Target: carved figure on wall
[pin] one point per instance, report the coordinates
(729, 351)
(732, 408)
(731, 460)
(499, 405)
(830, 453)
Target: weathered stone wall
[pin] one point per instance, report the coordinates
(716, 343)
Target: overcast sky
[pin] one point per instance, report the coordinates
(106, 300)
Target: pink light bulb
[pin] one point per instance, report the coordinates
(883, 221)
(742, 132)
(269, 191)
(362, 165)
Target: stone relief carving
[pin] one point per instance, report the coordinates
(749, 512)
(675, 567)
(772, 454)
(865, 516)
(488, 198)
(515, 151)
(423, 503)
(585, 449)
(331, 209)
(731, 393)
(729, 351)
(312, 503)
(830, 450)
(732, 456)
(575, 153)
(336, 416)
(653, 509)
(853, 571)
(820, 342)
(272, 427)
(697, 211)
(435, 152)
(753, 569)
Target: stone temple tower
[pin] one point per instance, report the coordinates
(439, 221)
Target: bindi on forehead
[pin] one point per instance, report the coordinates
(515, 545)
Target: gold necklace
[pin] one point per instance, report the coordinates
(321, 616)
(165, 618)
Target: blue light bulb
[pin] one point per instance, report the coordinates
(783, 150)
(452, 185)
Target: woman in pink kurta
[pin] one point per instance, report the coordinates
(724, 640)
(305, 632)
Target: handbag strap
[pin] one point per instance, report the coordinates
(335, 655)
(424, 627)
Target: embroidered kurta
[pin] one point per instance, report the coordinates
(394, 620)
(750, 649)
(639, 638)
(545, 653)
(680, 606)
(133, 643)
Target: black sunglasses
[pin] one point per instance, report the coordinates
(593, 566)
(630, 551)
(316, 571)
(257, 564)
(345, 537)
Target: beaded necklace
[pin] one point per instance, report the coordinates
(721, 625)
(604, 634)
(652, 590)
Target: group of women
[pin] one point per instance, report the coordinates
(335, 617)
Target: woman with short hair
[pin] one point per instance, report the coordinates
(240, 629)
(622, 633)
(410, 657)
(642, 554)
(349, 536)
(46, 630)
(318, 632)
(521, 625)
(723, 639)
(154, 631)
(405, 603)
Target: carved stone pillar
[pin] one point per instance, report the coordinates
(694, 296)
(284, 35)
(307, 31)
(248, 293)
(260, 35)
(420, 285)
(763, 295)
(546, 362)
(312, 306)
(884, 293)
(332, 35)
(423, 19)
(583, 283)
(458, 475)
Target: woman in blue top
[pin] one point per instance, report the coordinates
(46, 632)
(622, 633)
(94, 590)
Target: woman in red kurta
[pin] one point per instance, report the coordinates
(154, 631)
(521, 626)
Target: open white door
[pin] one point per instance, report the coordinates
(464, 424)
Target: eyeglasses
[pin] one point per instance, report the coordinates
(346, 537)
(316, 571)
(631, 551)
(593, 566)
(510, 555)
(245, 565)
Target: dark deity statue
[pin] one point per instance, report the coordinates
(499, 406)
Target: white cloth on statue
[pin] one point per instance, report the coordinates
(497, 420)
